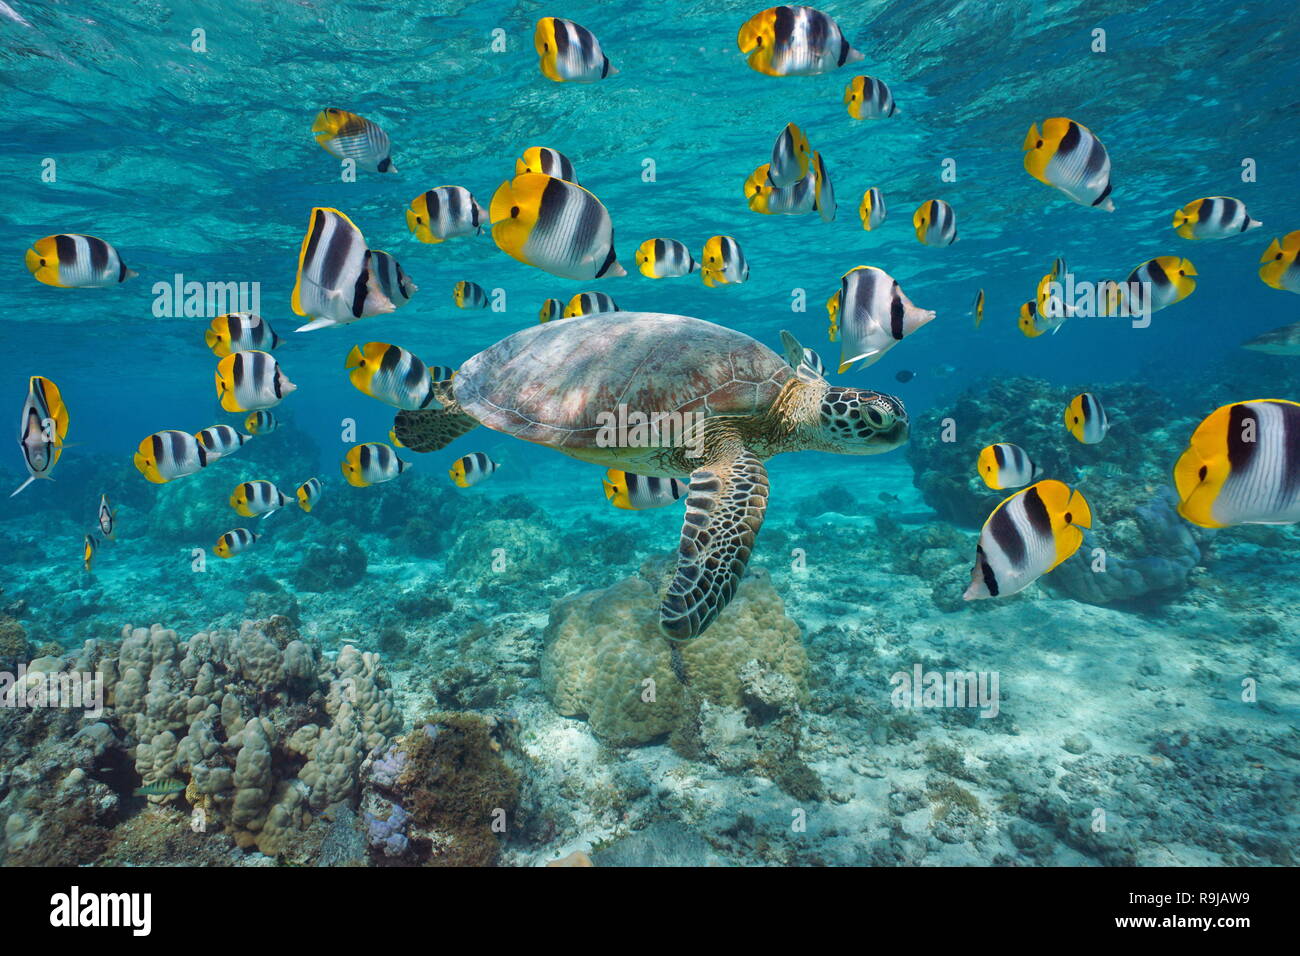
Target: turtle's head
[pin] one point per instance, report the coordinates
(858, 421)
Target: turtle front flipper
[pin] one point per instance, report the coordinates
(429, 429)
(724, 510)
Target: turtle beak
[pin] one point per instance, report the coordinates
(887, 414)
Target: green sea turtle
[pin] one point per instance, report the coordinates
(566, 384)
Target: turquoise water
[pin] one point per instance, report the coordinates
(203, 164)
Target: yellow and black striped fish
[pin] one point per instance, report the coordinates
(220, 440)
(1086, 419)
(1004, 465)
(240, 332)
(391, 374)
(41, 430)
(335, 283)
(874, 316)
(87, 551)
(872, 211)
(444, 213)
(794, 200)
(469, 295)
(569, 53)
(349, 136)
(1242, 466)
(372, 463)
(1156, 284)
(935, 223)
(791, 156)
(833, 310)
(723, 262)
(548, 162)
(106, 518)
(794, 41)
(167, 455)
(823, 192)
(471, 469)
(250, 381)
(556, 226)
(1281, 263)
(551, 309)
(1068, 156)
(234, 542)
(867, 97)
(257, 498)
(73, 261)
(977, 308)
(641, 492)
(665, 258)
(590, 303)
(1025, 537)
(308, 494)
(261, 423)
(1213, 217)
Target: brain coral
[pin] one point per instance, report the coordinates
(606, 658)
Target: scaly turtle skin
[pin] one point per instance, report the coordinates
(561, 384)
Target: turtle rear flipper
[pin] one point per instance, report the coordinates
(725, 504)
(430, 429)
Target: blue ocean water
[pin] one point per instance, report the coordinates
(200, 163)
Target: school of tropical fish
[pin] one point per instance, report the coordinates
(1241, 464)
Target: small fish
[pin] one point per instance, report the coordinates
(160, 788)
(569, 53)
(1004, 465)
(1068, 156)
(240, 332)
(814, 362)
(371, 464)
(1156, 284)
(471, 469)
(791, 156)
(393, 282)
(548, 162)
(590, 303)
(106, 518)
(977, 308)
(335, 284)
(1283, 341)
(261, 423)
(551, 309)
(555, 226)
(220, 440)
(1050, 308)
(257, 498)
(641, 492)
(833, 311)
(391, 374)
(1028, 319)
(234, 542)
(872, 211)
(875, 316)
(41, 430)
(469, 295)
(88, 551)
(72, 261)
(867, 97)
(349, 136)
(1086, 419)
(935, 223)
(794, 41)
(1281, 263)
(308, 494)
(167, 455)
(1242, 466)
(1025, 537)
(823, 192)
(723, 262)
(904, 375)
(1214, 217)
(887, 498)
(796, 200)
(251, 381)
(665, 258)
(445, 213)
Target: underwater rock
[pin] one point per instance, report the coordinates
(660, 844)
(606, 659)
(334, 566)
(440, 795)
(14, 647)
(504, 552)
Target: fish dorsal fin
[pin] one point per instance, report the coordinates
(794, 354)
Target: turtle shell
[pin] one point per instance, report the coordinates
(557, 383)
